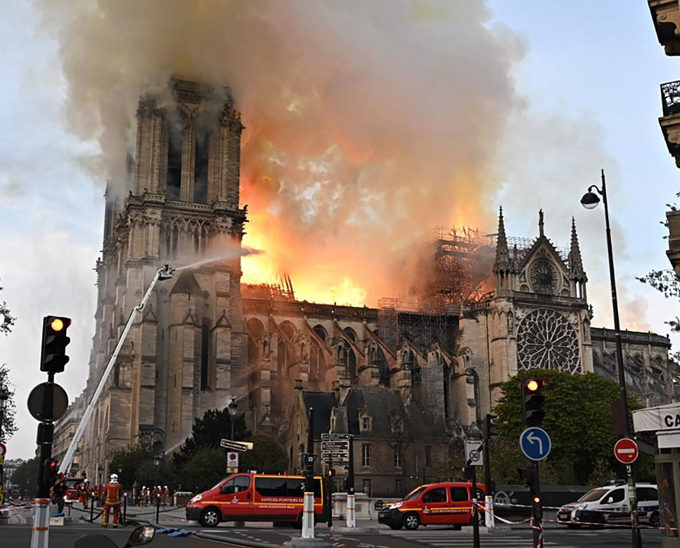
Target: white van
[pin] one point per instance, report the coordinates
(609, 504)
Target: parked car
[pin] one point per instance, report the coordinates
(610, 504)
(256, 497)
(444, 503)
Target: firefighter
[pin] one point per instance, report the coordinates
(83, 492)
(59, 491)
(166, 496)
(114, 494)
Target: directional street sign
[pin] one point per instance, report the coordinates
(535, 443)
(626, 451)
(336, 445)
(236, 445)
(334, 455)
(334, 436)
(473, 453)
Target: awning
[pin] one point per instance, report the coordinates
(663, 417)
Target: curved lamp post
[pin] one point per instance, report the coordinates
(590, 200)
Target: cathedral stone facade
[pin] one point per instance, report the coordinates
(204, 337)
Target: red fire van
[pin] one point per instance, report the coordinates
(446, 503)
(256, 497)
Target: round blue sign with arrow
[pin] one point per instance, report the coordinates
(535, 443)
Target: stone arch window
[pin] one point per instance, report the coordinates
(201, 155)
(175, 134)
(321, 332)
(205, 356)
(351, 334)
(289, 330)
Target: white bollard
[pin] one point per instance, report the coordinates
(41, 524)
(308, 516)
(488, 514)
(351, 512)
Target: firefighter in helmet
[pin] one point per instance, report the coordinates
(113, 495)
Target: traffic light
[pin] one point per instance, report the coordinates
(529, 476)
(489, 424)
(50, 472)
(331, 473)
(54, 343)
(532, 401)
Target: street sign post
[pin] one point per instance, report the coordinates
(535, 443)
(232, 462)
(241, 446)
(474, 455)
(626, 451)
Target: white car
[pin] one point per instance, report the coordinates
(610, 504)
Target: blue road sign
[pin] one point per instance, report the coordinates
(535, 443)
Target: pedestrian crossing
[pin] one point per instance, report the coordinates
(454, 539)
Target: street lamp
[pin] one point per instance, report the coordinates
(232, 407)
(590, 200)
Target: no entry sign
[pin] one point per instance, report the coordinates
(626, 451)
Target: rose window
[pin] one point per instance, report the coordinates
(546, 340)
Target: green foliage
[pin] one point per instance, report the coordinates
(6, 319)
(578, 418)
(7, 424)
(131, 461)
(204, 469)
(26, 476)
(207, 433)
(267, 456)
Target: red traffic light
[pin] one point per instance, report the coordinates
(52, 463)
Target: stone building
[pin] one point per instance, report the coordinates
(204, 337)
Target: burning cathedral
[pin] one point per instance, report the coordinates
(494, 306)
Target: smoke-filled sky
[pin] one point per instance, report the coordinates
(367, 123)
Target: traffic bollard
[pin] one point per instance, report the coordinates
(124, 508)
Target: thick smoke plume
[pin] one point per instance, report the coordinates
(367, 123)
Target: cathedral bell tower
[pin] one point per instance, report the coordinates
(537, 318)
(180, 206)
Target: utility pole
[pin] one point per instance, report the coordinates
(308, 506)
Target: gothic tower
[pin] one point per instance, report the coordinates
(187, 352)
(538, 317)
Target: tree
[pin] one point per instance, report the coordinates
(578, 418)
(25, 477)
(6, 319)
(204, 469)
(267, 456)
(133, 462)
(668, 284)
(209, 431)
(8, 424)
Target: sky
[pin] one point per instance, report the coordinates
(587, 77)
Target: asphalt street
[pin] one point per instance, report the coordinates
(18, 535)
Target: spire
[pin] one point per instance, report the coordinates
(540, 223)
(575, 262)
(502, 253)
